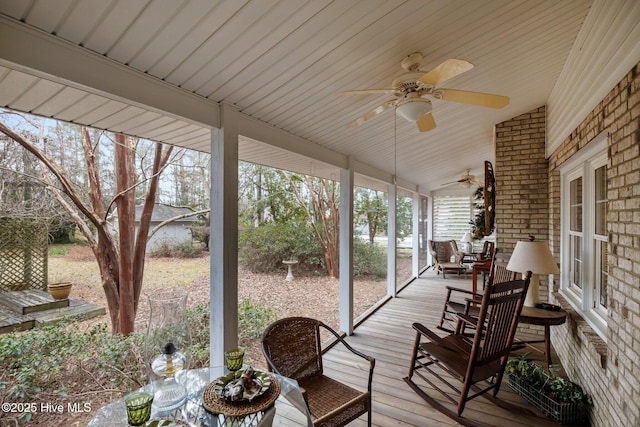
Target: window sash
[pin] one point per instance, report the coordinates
(600, 300)
(576, 204)
(601, 264)
(575, 271)
(584, 237)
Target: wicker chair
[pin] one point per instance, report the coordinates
(478, 362)
(292, 348)
(442, 252)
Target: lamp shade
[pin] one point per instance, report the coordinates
(413, 108)
(533, 256)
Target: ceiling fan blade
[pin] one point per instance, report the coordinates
(367, 91)
(426, 122)
(445, 71)
(371, 114)
(475, 98)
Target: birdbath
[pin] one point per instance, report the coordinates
(289, 264)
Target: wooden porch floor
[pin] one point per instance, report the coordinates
(388, 336)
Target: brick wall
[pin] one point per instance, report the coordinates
(521, 170)
(609, 369)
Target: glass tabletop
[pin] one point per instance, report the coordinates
(289, 409)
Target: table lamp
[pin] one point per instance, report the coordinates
(466, 243)
(536, 257)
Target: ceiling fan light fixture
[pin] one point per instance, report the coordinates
(412, 109)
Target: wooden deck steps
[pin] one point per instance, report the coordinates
(11, 321)
(30, 301)
(76, 309)
(22, 310)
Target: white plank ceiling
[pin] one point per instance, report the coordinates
(283, 61)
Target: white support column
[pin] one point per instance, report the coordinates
(346, 250)
(223, 293)
(391, 234)
(415, 227)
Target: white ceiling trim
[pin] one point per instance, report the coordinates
(26, 48)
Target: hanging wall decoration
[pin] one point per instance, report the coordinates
(484, 199)
(489, 198)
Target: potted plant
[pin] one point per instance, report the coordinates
(560, 399)
(59, 290)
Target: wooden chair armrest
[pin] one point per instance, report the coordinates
(469, 320)
(423, 330)
(476, 299)
(483, 262)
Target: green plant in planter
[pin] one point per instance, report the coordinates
(563, 390)
(553, 386)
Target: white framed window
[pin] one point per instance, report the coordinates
(584, 241)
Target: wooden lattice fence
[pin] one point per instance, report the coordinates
(23, 254)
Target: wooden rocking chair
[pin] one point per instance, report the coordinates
(462, 301)
(478, 362)
(292, 348)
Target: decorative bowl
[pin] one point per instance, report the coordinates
(60, 290)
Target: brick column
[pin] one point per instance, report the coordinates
(522, 182)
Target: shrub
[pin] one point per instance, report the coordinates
(161, 250)
(165, 249)
(253, 319)
(263, 249)
(187, 250)
(198, 316)
(54, 358)
(369, 259)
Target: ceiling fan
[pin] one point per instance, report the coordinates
(413, 89)
(467, 180)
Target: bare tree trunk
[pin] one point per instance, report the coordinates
(160, 161)
(324, 219)
(104, 248)
(126, 205)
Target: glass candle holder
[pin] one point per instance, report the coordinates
(167, 349)
(138, 408)
(234, 358)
